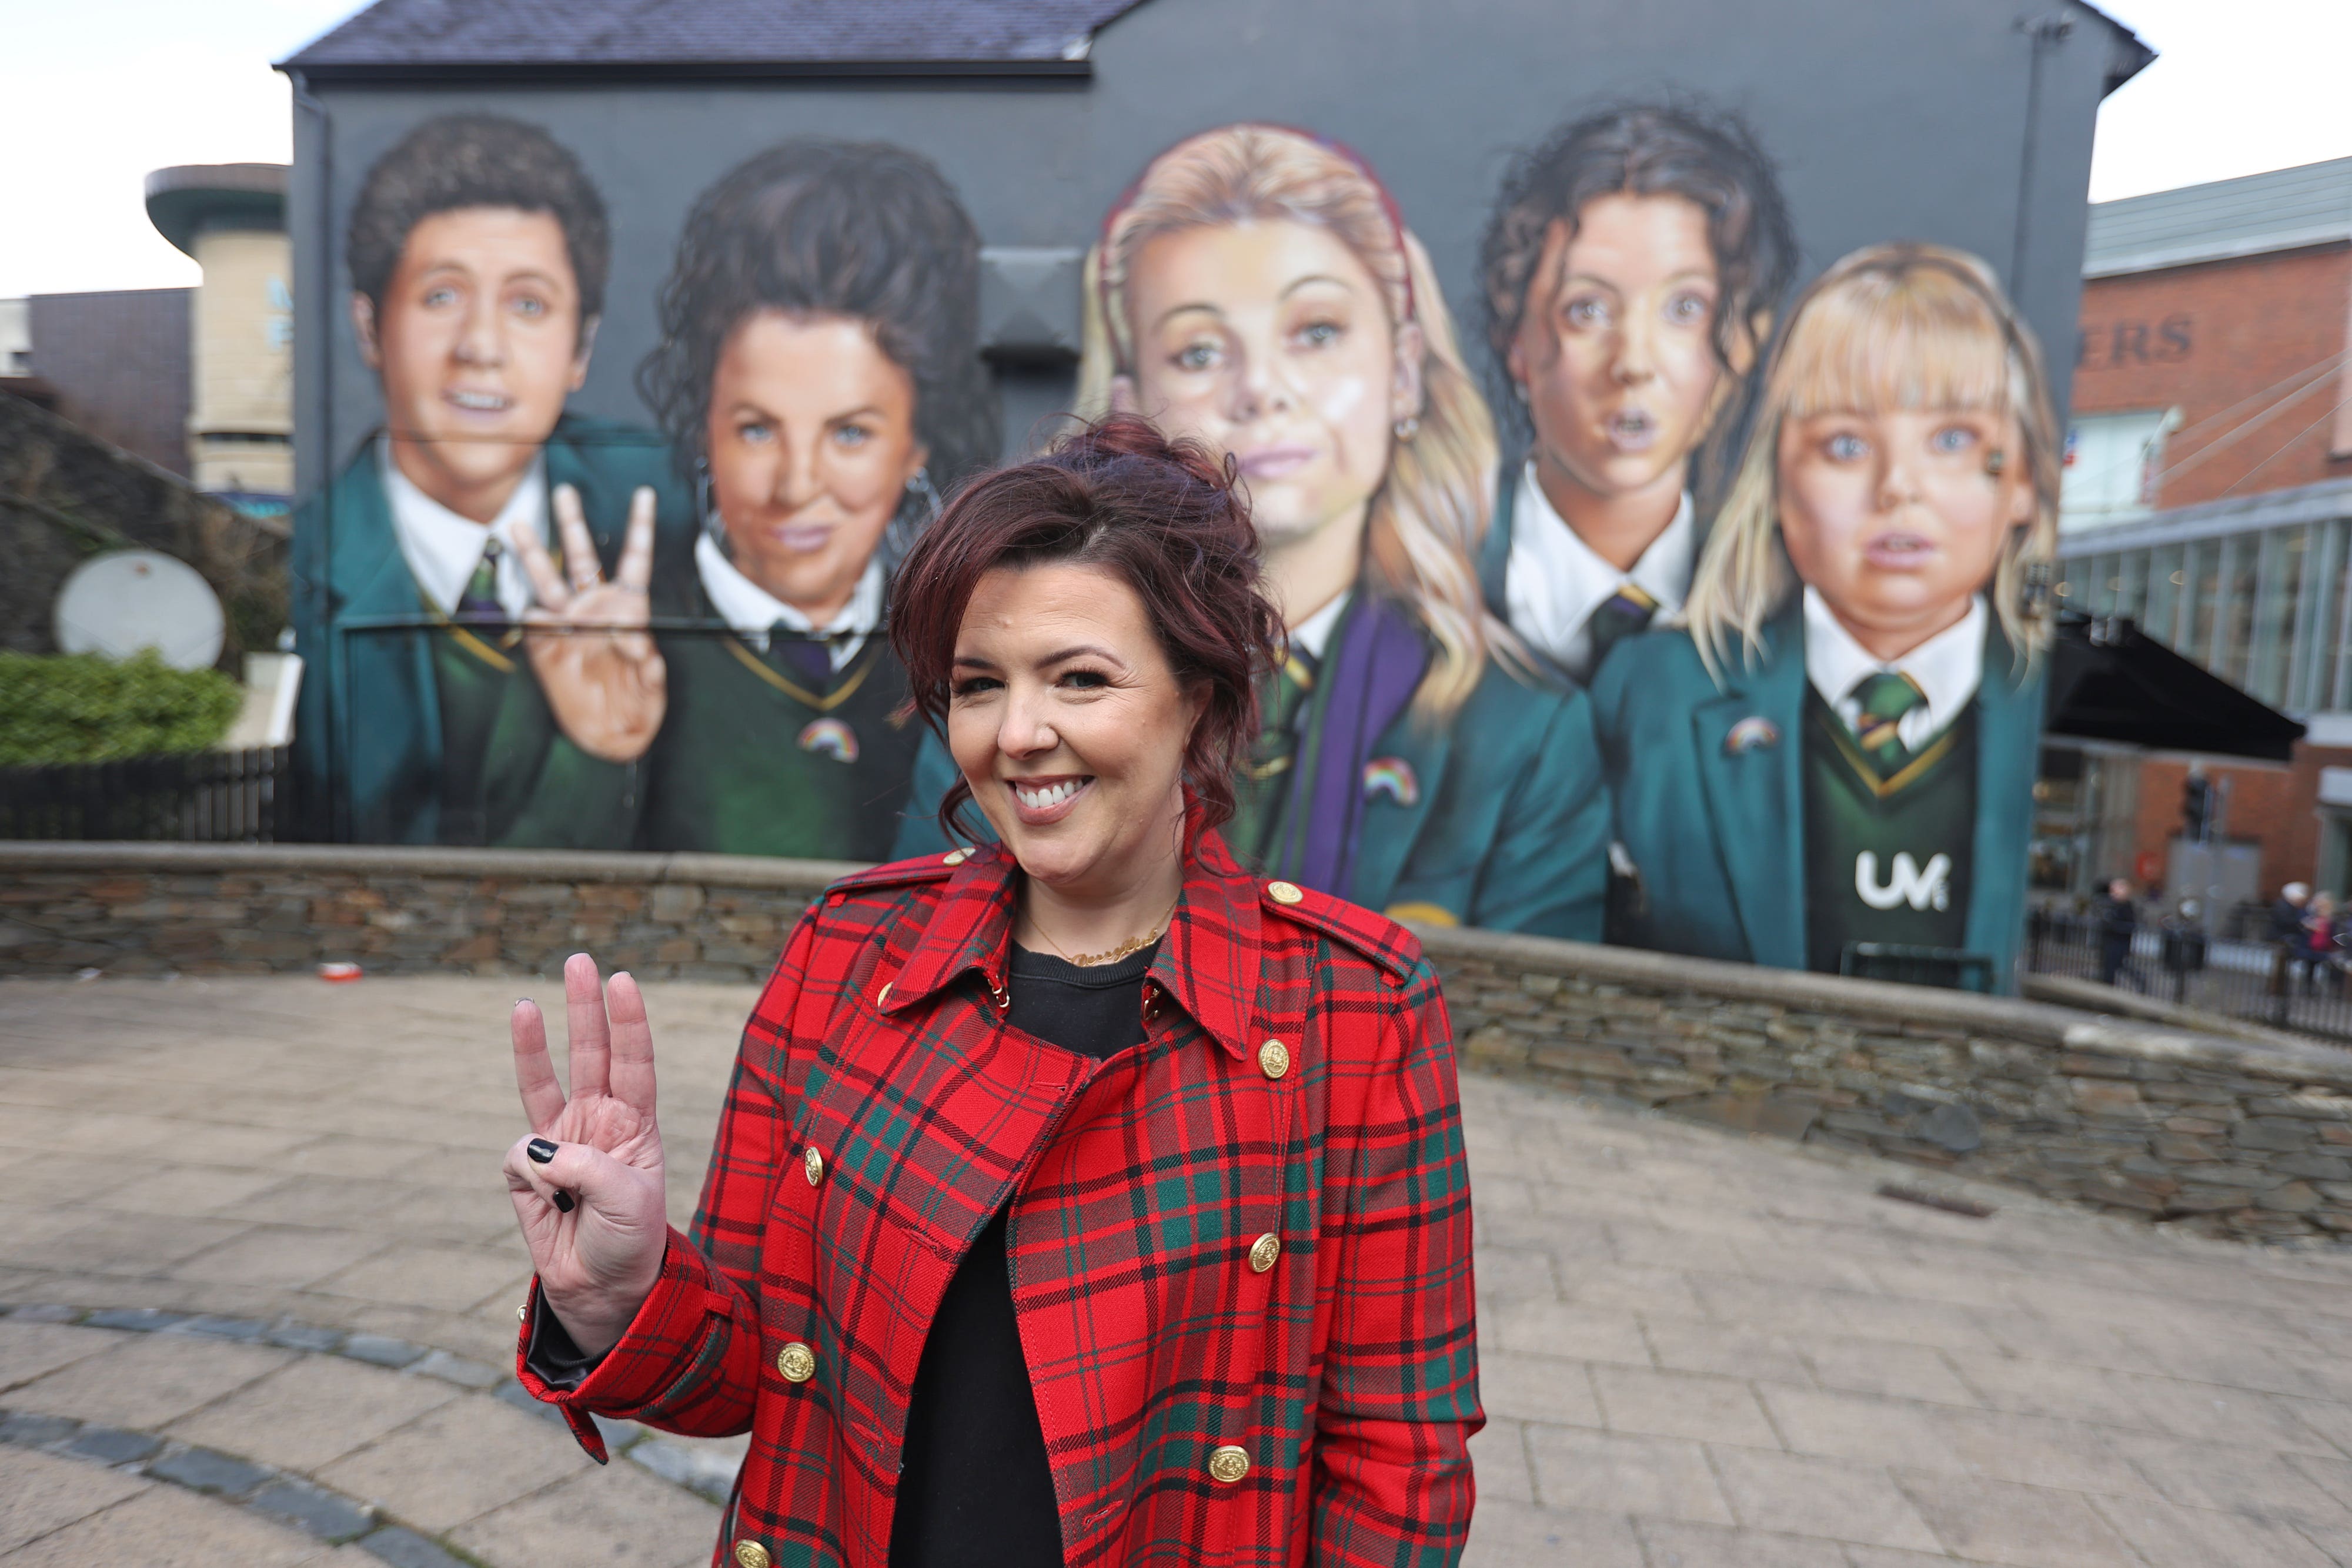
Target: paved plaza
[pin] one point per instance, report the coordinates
(260, 1278)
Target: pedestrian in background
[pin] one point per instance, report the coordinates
(2118, 918)
(1078, 1197)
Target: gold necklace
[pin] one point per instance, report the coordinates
(1112, 955)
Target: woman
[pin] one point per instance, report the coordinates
(820, 366)
(1078, 1198)
(1630, 269)
(1255, 291)
(1838, 746)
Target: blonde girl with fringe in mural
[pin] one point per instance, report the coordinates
(1837, 744)
(1257, 291)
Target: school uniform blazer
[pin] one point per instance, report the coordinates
(1240, 1249)
(1716, 835)
(1495, 819)
(367, 738)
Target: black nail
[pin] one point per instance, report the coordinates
(562, 1201)
(539, 1150)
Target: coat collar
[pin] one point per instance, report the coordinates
(1208, 963)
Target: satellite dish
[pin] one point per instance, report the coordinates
(123, 600)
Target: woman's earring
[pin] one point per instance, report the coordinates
(1408, 427)
(919, 484)
(1996, 462)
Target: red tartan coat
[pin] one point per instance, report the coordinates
(1247, 1239)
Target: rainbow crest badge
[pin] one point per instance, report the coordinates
(829, 737)
(1392, 777)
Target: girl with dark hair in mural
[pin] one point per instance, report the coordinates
(819, 373)
(1837, 745)
(1257, 291)
(1629, 273)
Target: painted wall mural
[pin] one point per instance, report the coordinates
(1707, 625)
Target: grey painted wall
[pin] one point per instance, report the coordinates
(1890, 118)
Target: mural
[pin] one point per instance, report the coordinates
(1691, 654)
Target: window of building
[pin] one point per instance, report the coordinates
(2111, 466)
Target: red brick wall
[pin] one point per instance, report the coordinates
(2279, 807)
(2206, 338)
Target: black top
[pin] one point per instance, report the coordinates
(976, 1491)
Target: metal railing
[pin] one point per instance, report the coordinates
(200, 797)
(2264, 982)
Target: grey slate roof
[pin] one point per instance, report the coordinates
(412, 34)
(2282, 210)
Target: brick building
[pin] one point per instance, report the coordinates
(2208, 496)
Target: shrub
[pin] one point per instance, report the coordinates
(83, 707)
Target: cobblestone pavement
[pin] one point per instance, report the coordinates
(1699, 1350)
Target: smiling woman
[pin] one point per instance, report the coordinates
(1149, 1170)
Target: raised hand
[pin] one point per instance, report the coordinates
(591, 1208)
(604, 679)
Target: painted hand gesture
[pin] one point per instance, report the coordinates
(603, 677)
(587, 1182)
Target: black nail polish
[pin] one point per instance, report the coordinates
(539, 1150)
(564, 1204)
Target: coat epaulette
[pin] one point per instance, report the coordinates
(900, 874)
(1394, 949)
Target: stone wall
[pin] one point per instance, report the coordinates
(2247, 1137)
(2221, 1136)
(138, 909)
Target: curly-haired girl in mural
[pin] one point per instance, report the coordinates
(1630, 269)
(819, 368)
(1257, 291)
(1838, 744)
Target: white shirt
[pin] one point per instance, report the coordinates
(442, 548)
(1947, 666)
(1554, 580)
(752, 611)
(1312, 636)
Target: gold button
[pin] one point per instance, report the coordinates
(1281, 893)
(1274, 1059)
(522, 1313)
(751, 1554)
(1264, 1251)
(955, 857)
(797, 1361)
(1227, 1464)
(883, 995)
(812, 1164)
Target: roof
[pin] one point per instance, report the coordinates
(2283, 210)
(394, 38)
(185, 200)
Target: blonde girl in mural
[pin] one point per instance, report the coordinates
(1837, 745)
(1256, 289)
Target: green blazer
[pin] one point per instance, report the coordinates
(367, 737)
(1715, 835)
(1506, 825)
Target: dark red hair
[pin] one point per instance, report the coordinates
(1160, 514)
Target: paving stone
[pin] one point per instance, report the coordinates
(312, 1412)
(381, 1350)
(202, 1469)
(1537, 1389)
(2166, 1536)
(456, 1369)
(111, 1445)
(2030, 1527)
(29, 1349)
(40, 1493)
(456, 1463)
(1609, 1472)
(163, 1527)
(617, 1515)
(1508, 1534)
(241, 1330)
(31, 1430)
(1711, 1546)
(406, 1549)
(1789, 1494)
(322, 1513)
(280, 1256)
(1681, 1405)
(148, 1380)
(449, 1279)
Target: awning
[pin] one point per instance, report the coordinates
(2110, 681)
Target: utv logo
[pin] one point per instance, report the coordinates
(1906, 884)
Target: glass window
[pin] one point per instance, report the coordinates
(2131, 583)
(2165, 576)
(2282, 556)
(2233, 626)
(2111, 464)
(2203, 587)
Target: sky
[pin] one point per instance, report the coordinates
(128, 85)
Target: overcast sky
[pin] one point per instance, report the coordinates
(100, 93)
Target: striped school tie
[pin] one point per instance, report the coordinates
(1884, 696)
